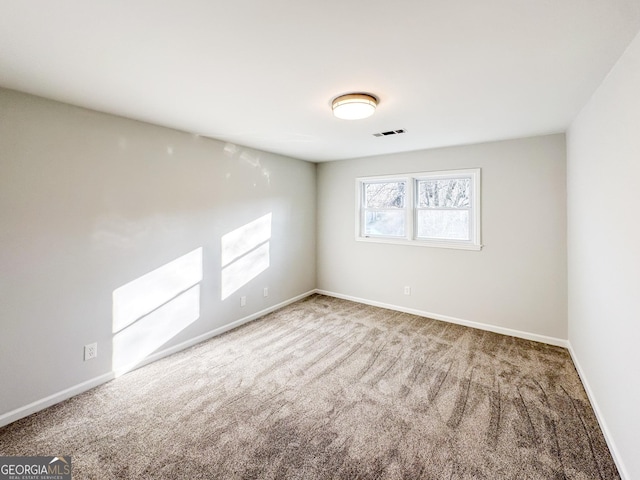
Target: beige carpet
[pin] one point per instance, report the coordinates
(327, 388)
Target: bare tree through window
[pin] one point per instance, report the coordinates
(451, 193)
(443, 208)
(385, 208)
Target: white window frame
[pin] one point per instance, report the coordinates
(411, 210)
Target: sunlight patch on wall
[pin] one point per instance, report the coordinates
(245, 254)
(132, 345)
(146, 293)
(152, 309)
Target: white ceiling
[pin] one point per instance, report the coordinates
(262, 73)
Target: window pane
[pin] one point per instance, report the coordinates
(443, 224)
(447, 192)
(388, 222)
(384, 195)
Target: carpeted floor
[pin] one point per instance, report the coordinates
(327, 388)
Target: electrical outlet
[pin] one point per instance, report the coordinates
(90, 351)
(265, 292)
(243, 301)
(407, 290)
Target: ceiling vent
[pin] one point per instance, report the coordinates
(390, 132)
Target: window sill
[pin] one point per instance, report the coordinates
(421, 243)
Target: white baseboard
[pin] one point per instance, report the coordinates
(603, 425)
(459, 321)
(18, 413)
(43, 403)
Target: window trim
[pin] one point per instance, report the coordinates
(411, 210)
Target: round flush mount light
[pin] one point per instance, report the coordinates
(354, 106)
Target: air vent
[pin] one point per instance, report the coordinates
(390, 132)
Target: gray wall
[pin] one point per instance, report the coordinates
(518, 280)
(603, 163)
(90, 202)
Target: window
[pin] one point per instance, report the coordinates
(384, 208)
(440, 209)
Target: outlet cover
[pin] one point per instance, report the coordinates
(407, 290)
(243, 301)
(265, 292)
(90, 351)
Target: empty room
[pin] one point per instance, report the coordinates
(320, 240)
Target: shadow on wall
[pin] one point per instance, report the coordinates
(245, 254)
(152, 309)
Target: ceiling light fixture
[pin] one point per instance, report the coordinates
(354, 106)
